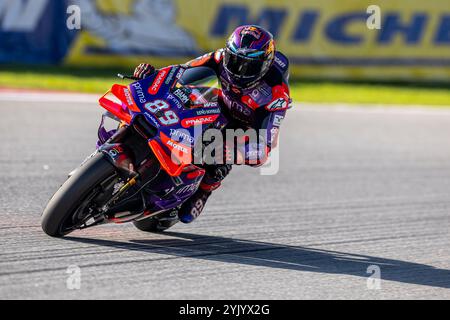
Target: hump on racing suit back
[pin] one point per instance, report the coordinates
(281, 62)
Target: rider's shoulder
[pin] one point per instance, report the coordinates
(210, 59)
(218, 55)
(281, 62)
(279, 71)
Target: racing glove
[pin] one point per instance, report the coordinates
(143, 71)
(214, 176)
(221, 171)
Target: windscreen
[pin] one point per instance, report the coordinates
(202, 84)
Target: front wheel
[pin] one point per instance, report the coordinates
(70, 204)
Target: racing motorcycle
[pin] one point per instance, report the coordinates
(142, 170)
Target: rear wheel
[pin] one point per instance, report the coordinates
(158, 223)
(71, 204)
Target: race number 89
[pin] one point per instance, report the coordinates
(168, 117)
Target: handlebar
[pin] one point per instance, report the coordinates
(121, 76)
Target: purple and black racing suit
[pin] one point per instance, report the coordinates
(261, 107)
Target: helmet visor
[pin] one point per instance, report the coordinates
(242, 67)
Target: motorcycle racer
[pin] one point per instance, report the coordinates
(255, 93)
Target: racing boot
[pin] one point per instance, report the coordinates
(192, 208)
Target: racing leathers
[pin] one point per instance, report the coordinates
(261, 107)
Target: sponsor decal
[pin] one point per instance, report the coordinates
(156, 105)
(180, 73)
(211, 105)
(241, 109)
(159, 79)
(139, 92)
(188, 188)
(265, 90)
(184, 135)
(115, 151)
(255, 94)
(171, 74)
(279, 62)
(178, 150)
(277, 120)
(189, 122)
(342, 25)
(279, 104)
(203, 112)
(152, 119)
(180, 94)
(175, 101)
(161, 109)
(127, 94)
(273, 134)
(176, 146)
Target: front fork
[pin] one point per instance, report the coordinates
(123, 161)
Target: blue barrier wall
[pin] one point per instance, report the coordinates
(34, 31)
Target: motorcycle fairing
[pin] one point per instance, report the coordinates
(153, 97)
(130, 104)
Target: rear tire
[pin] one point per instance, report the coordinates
(73, 192)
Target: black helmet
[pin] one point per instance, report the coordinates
(249, 53)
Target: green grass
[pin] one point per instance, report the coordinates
(64, 79)
(397, 94)
(100, 80)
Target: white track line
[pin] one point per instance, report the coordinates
(24, 96)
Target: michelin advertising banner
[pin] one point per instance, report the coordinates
(327, 39)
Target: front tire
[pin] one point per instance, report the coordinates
(65, 202)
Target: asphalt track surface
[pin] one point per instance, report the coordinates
(357, 187)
